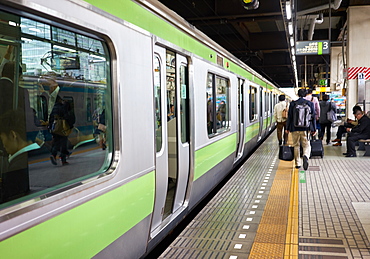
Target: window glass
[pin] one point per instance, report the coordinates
(184, 91)
(218, 108)
(49, 78)
(252, 102)
(158, 102)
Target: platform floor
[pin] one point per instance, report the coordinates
(269, 209)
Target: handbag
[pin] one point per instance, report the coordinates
(286, 153)
(102, 127)
(61, 127)
(330, 115)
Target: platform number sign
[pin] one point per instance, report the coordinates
(314, 47)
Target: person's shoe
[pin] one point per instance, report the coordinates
(345, 154)
(336, 140)
(305, 162)
(337, 144)
(351, 155)
(297, 166)
(53, 160)
(65, 163)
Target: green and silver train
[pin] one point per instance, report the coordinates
(180, 113)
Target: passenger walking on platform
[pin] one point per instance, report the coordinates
(325, 124)
(281, 116)
(361, 131)
(348, 124)
(299, 133)
(316, 104)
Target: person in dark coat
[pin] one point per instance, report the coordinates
(326, 106)
(60, 110)
(360, 131)
(299, 134)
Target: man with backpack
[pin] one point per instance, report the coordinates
(301, 119)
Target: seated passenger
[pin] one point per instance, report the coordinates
(14, 178)
(343, 128)
(361, 131)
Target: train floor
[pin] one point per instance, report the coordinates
(270, 209)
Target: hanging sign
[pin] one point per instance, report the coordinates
(313, 47)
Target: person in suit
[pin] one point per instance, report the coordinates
(360, 131)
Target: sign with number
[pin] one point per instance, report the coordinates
(315, 47)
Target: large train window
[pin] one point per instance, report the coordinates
(55, 112)
(218, 109)
(158, 102)
(253, 115)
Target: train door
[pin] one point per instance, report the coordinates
(172, 133)
(261, 114)
(241, 124)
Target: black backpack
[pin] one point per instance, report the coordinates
(302, 115)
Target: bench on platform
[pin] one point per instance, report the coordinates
(367, 146)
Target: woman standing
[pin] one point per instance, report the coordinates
(325, 107)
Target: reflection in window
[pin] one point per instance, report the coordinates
(158, 102)
(49, 75)
(218, 114)
(252, 103)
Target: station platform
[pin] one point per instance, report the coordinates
(270, 209)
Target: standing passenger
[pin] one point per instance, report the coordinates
(326, 106)
(281, 121)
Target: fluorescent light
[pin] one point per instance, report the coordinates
(291, 42)
(293, 58)
(293, 51)
(290, 28)
(288, 9)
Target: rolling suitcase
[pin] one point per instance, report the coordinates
(317, 148)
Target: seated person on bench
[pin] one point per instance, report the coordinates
(343, 128)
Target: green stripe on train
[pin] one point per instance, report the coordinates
(84, 231)
(209, 156)
(251, 131)
(135, 14)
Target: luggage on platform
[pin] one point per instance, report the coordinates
(286, 153)
(317, 149)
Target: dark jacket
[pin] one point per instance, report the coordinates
(362, 128)
(290, 122)
(326, 106)
(62, 110)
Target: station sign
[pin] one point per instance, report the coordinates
(313, 47)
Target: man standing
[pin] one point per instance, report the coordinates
(280, 119)
(299, 131)
(360, 131)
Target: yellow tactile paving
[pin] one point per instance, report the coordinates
(277, 234)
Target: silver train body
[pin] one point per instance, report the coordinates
(158, 166)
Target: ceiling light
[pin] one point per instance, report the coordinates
(293, 51)
(290, 28)
(291, 42)
(288, 9)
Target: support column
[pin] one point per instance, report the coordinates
(358, 52)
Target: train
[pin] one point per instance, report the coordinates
(180, 113)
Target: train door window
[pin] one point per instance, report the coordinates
(184, 105)
(261, 101)
(47, 70)
(218, 107)
(252, 104)
(158, 102)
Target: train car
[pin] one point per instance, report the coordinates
(180, 113)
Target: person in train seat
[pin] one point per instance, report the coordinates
(325, 124)
(348, 124)
(281, 122)
(360, 131)
(62, 110)
(14, 177)
(299, 134)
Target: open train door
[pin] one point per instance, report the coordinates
(171, 95)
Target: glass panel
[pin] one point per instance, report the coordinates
(49, 78)
(253, 102)
(222, 104)
(184, 106)
(158, 102)
(210, 114)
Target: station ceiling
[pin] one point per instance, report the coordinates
(259, 38)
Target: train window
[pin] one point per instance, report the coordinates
(184, 109)
(52, 135)
(158, 102)
(218, 109)
(252, 104)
